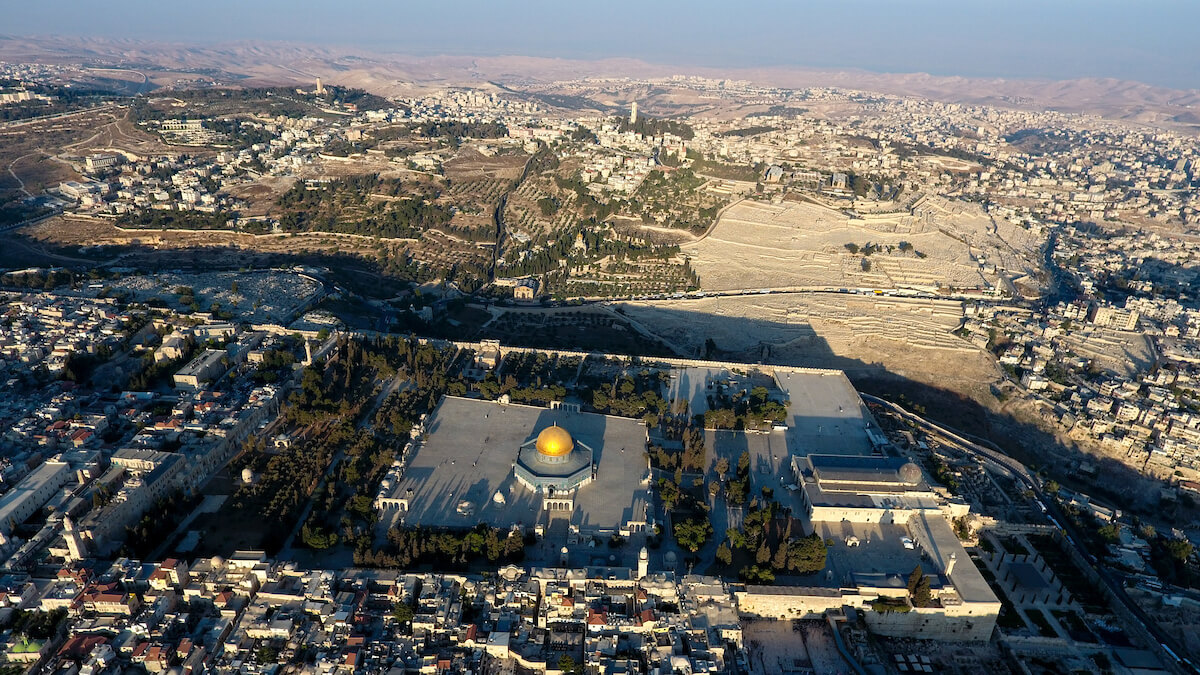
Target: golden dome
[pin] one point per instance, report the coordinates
(555, 442)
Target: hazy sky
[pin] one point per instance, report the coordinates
(1147, 40)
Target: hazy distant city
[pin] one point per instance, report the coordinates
(321, 360)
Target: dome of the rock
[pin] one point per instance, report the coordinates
(555, 441)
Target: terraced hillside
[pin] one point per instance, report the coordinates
(938, 244)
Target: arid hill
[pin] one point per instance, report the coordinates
(393, 74)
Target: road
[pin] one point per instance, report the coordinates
(142, 88)
(56, 116)
(785, 290)
(20, 183)
(1168, 647)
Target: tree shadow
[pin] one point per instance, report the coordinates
(1121, 485)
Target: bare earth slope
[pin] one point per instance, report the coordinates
(863, 335)
(804, 246)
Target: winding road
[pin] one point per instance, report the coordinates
(20, 183)
(1168, 647)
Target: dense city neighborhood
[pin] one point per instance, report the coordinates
(579, 377)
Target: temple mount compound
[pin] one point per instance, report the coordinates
(573, 477)
(506, 464)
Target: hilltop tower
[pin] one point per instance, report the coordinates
(633, 112)
(320, 90)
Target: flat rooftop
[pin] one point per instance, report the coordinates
(940, 542)
(202, 362)
(470, 449)
(30, 488)
(879, 555)
(861, 469)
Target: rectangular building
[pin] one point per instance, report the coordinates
(23, 500)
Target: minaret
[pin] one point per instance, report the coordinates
(633, 112)
(643, 563)
(308, 358)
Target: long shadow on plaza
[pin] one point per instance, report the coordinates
(1123, 486)
(1115, 482)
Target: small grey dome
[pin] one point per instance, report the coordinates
(910, 474)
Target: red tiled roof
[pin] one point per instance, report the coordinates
(80, 646)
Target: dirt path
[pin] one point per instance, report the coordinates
(57, 116)
(720, 214)
(20, 183)
(675, 231)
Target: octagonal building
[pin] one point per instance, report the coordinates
(508, 464)
(554, 465)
